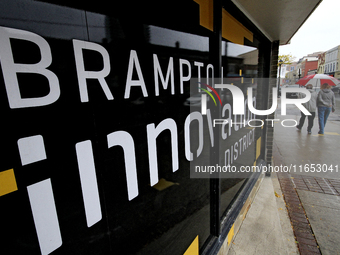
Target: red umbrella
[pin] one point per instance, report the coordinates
(317, 80)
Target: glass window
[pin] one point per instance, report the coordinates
(237, 144)
(122, 108)
(111, 97)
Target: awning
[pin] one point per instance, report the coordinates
(278, 19)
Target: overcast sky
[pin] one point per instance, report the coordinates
(320, 32)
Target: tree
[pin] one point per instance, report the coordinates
(285, 59)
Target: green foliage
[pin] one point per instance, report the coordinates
(286, 59)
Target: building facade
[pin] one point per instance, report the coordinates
(291, 73)
(332, 61)
(107, 144)
(309, 65)
(321, 62)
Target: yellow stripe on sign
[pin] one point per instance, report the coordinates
(233, 30)
(193, 248)
(206, 13)
(8, 183)
(258, 148)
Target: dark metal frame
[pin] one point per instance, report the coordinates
(219, 231)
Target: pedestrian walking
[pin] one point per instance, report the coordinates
(326, 104)
(311, 107)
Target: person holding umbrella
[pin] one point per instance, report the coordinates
(326, 104)
(311, 107)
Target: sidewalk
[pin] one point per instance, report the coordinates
(312, 199)
(266, 228)
(299, 210)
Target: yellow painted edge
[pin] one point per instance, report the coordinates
(8, 183)
(231, 234)
(163, 184)
(193, 248)
(258, 148)
(331, 133)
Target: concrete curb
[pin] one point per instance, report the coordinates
(303, 232)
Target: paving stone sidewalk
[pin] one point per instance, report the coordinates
(316, 184)
(318, 240)
(303, 232)
(312, 198)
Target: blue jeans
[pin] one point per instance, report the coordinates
(323, 112)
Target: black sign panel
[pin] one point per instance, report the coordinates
(94, 109)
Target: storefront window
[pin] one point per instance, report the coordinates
(112, 121)
(106, 125)
(238, 141)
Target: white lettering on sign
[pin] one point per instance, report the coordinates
(226, 107)
(41, 193)
(236, 150)
(125, 140)
(83, 74)
(193, 116)
(134, 62)
(11, 69)
(153, 133)
(199, 65)
(45, 216)
(88, 179)
(210, 67)
(32, 149)
(158, 73)
(183, 78)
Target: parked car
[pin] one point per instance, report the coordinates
(336, 89)
(292, 94)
